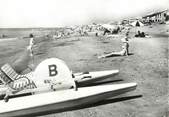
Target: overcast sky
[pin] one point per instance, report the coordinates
(54, 13)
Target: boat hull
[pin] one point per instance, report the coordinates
(61, 100)
(89, 77)
(80, 78)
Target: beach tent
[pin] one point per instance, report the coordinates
(137, 23)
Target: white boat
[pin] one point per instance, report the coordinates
(64, 79)
(61, 100)
(80, 78)
(89, 77)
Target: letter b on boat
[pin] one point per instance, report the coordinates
(52, 70)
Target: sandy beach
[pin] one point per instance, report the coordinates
(146, 65)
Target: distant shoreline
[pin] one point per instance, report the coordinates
(8, 39)
(31, 28)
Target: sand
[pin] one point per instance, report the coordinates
(147, 65)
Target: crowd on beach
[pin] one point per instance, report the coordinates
(84, 30)
(23, 62)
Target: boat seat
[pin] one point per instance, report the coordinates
(10, 72)
(15, 80)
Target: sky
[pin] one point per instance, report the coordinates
(57, 13)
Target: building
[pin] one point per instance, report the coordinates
(156, 17)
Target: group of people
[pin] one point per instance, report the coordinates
(140, 34)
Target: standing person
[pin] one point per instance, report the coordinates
(31, 42)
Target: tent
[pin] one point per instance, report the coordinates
(137, 23)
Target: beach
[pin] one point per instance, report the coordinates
(146, 65)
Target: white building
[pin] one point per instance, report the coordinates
(156, 17)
